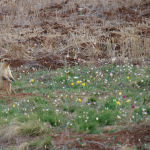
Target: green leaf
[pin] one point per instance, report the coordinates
(114, 137)
(111, 131)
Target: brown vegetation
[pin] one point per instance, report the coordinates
(48, 31)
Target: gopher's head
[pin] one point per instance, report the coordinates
(5, 62)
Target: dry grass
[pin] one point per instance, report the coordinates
(101, 29)
(23, 134)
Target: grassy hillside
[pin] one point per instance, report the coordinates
(78, 107)
(82, 74)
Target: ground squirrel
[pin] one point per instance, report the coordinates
(5, 76)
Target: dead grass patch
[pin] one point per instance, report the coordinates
(74, 26)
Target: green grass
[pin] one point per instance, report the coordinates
(82, 99)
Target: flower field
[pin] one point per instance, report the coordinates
(74, 102)
(82, 74)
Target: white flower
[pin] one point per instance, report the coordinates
(113, 59)
(88, 81)
(67, 55)
(118, 117)
(105, 81)
(143, 109)
(111, 74)
(144, 113)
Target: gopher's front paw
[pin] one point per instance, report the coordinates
(12, 79)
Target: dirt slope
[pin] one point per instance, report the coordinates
(39, 33)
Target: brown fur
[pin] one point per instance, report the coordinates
(5, 76)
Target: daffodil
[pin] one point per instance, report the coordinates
(78, 82)
(83, 84)
(32, 80)
(120, 93)
(79, 100)
(118, 103)
(72, 84)
(127, 101)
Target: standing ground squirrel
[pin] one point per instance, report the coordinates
(5, 76)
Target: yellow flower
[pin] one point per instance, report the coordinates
(127, 77)
(79, 100)
(32, 80)
(72, 84)
(118, 103)
(13, 106)
(78, 82)
(127, 101)
(120, 93)
(83, 84)
(66, 96)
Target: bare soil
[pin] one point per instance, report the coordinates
(131, 137)
(8, 98)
